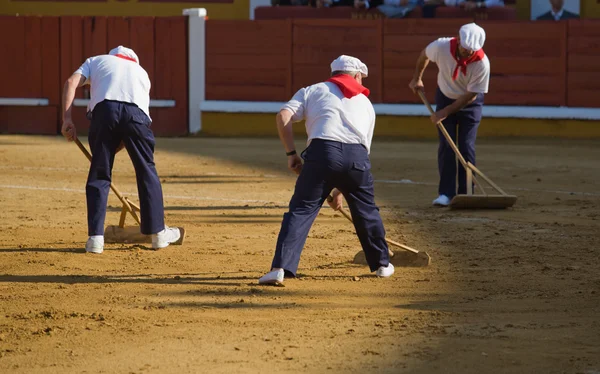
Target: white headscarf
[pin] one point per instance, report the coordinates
(349, 63)
(472, 37)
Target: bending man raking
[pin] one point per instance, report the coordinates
(120, 117)
(463, 79)
(340, 121)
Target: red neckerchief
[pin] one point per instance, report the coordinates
(125, 57)
(463, 62)
(349, 86)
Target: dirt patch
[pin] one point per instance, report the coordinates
(515, 291)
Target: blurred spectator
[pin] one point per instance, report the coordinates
(292, 2)
(474, 4)
(390, 8)
(557, 12)
(332, 3)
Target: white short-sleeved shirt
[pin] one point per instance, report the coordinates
(477, 79)
(331, 116)
(115, 78)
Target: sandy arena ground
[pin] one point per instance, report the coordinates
(513, 291)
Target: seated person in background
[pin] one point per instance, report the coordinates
(292, 2)
(332, 3)
(474, 4)
(557, 12)
(390, 8)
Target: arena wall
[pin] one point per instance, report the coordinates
(47, 50)
(537, 68)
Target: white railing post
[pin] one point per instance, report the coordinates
(256, 3)
(196, 66)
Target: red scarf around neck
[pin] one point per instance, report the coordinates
(349, 86)
(461, 63)
(125, 57)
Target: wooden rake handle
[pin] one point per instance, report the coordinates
(126, 203)
(444, 132)
(349, 217)
(465, 164)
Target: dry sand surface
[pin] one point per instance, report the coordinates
(512, 291)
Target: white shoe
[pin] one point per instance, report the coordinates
(274, 277)
(385, 272)
(442, 200)
(95, 244)
(164, 238)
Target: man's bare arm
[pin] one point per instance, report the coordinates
(457, 105)
(286, 135)
(68, 127)
(422, 63)
(76, 80)
(417, 81)
(460, 103)
(284, 128)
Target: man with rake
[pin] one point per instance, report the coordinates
(340, 121)
(120, 117)
(463, 79)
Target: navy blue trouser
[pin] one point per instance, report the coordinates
(111, 123)
(330, 164)
(464, 124)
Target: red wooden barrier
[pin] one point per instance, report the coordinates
(170, 75)
(583, 75)
(248, 60)
(71, 58)
(533, 63)
(29, 71)
(528, 62)
(317, 43)
(51, 60)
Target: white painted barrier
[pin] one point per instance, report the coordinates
(153, 103)
(10, 101)
(492, 111)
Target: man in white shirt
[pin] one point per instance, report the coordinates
(463, 79)
(120, 117)
(557, 12)
(340, 121)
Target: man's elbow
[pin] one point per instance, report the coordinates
(471, 96)
(279, 118)
(283, 117)
(75, 80)
(70, 82)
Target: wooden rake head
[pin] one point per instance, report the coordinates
(410, 257)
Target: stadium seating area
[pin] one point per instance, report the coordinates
(508, 12)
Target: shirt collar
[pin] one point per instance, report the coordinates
(558, 14)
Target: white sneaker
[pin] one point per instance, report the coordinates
(274, 277)
(385, 272)
(164, 238)
(442, 200)
(95, 244)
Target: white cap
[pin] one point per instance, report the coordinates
(472, 37)
(349, 63)
(120, 50)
